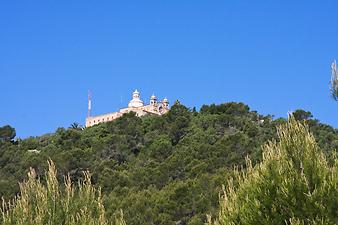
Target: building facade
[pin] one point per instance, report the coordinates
(135, 105)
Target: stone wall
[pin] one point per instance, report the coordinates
(93, 120)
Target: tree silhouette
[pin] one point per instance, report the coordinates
(75, 126)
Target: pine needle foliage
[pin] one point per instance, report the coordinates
(52, 203)
(292, 185)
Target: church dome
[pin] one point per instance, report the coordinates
(136, 101)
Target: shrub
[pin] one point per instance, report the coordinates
(51, 204)
(292, 185)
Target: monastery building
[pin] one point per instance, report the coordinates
(135, 105)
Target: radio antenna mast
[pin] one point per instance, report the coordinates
(89, 104)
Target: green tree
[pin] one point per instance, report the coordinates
(300, 115)
(292, 185)
(7, 133)
(76, 126)
(179, 118)
(159, 169)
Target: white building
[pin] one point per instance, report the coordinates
(135, 105)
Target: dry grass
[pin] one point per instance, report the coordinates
(53, 204)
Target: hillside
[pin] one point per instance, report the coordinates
(159, 169)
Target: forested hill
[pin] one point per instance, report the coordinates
(159, 169)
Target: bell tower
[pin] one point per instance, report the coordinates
(165, 103)
(153, 100)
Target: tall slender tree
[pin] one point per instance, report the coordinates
(334, 81)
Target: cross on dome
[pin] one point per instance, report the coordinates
(153, 97)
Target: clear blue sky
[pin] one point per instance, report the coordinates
(272, 55)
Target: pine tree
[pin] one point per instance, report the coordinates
(294, 184)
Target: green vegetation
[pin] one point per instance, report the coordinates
(55, 204)
(159, 170)
(292, 185)
(7, 133)
(39, 204)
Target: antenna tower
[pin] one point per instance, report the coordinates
(89, 104)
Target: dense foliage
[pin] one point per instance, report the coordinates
(7, 133)
(158, 169)
(292, 185)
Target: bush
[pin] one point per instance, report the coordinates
(51, 204)
(292, 185)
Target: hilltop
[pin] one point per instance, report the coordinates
(159, 169)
